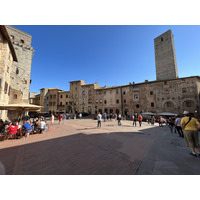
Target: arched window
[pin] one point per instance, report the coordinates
(17, 71)
(15, 96)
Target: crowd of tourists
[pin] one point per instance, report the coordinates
(187, 127)
(18, 129)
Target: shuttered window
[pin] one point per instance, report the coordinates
(6, 87)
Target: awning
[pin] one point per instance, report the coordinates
(20, 107)
(167, 114)
(148, 113)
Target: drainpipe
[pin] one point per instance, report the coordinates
(122, 106)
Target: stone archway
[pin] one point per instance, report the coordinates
(100, 110)
(189, 105)
(117, 111)
(169, 107)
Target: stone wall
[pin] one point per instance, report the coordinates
(21, 71)
(165, 57)
(6, 65)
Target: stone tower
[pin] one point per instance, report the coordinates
(20, 75)
(165, 57)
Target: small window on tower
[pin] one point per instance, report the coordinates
(22, 41)
(161, 39)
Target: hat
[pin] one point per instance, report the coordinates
(185, 112)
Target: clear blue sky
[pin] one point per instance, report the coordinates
(109, 55)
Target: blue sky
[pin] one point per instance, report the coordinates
(109, 55)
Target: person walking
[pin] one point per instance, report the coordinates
(119, 117)
(52, 119)
(171, 124)
(105, 116)
(99, 116)
(140, 119)
(178, 126)
(152, 120)
(64, 117)
(80, 116)
(60, 118)
(190, 127)
(110, 116)
(134, 119)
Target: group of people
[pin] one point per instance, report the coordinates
(137, 118)
(60, 118)
(187, 127)
(17, 129)
(106, 117)
(118, 118)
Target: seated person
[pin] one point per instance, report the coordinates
(1, 125)
(4, 129)
(12, 129)
(27, 128)
(42, 126)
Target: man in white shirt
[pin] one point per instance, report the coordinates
(42, 126)
(178, 126)
(99, 116)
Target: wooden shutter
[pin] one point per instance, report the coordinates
(6, 87)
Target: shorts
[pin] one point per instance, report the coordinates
(191, 138)
(28, 131)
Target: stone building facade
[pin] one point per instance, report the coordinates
(15, 67)
(21, 71)
(173, 95)
(167, 94)
(7, 57)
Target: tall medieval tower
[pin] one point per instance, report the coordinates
(20, 76)
(165, 57)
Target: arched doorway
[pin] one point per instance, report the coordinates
(117, 111)
(100, 110)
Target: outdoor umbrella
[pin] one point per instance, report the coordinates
(148, 113)
(22, 108)
(167, 114)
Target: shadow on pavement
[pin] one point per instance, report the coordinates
(76, 154)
